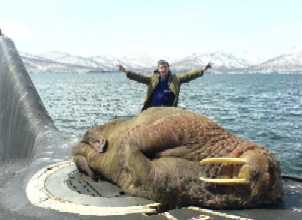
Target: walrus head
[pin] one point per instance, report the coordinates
(95, 140)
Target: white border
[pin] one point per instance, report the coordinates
(38, 195)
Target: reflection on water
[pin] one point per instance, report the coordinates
(264, 108)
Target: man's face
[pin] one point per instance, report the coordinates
(163, 69)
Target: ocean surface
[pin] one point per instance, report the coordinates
(264, 108)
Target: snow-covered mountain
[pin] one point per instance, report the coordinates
(70, 59)
(137, 62)
(289, 61)
(220, 60)
(35, 63)
(64, 62)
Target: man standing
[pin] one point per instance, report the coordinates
(163, 86)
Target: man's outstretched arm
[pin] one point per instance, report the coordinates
(188, 76)
(135, 76)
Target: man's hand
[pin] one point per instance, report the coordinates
(121, 68)
(208, 66)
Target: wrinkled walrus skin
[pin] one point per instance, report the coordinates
(157, 155)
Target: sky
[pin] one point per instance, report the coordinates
(252, 29)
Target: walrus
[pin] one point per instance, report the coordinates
(180, 158)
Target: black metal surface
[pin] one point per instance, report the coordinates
(85, 185)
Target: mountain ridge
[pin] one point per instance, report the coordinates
(56, 61)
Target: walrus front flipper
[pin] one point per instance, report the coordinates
(242, 178)
(82, 165)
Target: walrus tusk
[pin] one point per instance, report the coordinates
(225, 181)
(223, 160)
(226, 161)
(153, 205)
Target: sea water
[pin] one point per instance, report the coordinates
(265, 108)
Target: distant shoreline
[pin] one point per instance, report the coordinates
(144, 72)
